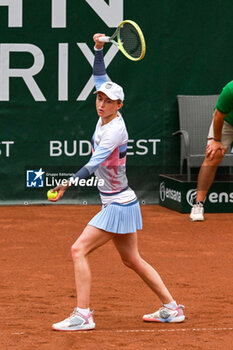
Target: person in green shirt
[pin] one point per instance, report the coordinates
(219, 139)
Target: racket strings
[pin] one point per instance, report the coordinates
(131, 40)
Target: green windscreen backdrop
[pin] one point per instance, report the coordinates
(47, 107)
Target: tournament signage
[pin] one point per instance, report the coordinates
(180, 195)
(111, 14)
(47, 106)
(47, 109)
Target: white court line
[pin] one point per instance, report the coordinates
(174, 330)
(161, 330)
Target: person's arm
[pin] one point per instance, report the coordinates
(99, 71)
(100, 76)
(110, 140)
(216, 143)
(218, 124)
(223, 107)
(102, 152)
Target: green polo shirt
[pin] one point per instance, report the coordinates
(225, 102)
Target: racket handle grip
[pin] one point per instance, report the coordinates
(104, 39)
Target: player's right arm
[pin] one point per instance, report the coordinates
(99, 71)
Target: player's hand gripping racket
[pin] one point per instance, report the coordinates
(129, 39)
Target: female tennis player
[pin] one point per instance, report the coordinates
(120, 217)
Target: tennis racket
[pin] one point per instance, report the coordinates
(129, 40)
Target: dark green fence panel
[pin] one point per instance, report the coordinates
(47, 109)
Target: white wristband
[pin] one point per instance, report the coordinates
(97, 49)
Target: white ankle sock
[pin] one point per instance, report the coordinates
(172, 305)
(84, 312)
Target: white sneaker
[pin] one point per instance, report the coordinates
(76, 322)
(164, 314)
(197, 212)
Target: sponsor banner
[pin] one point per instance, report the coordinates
(48, 113)
(169, 193)
(180, 195)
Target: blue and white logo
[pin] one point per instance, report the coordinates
(35, 178)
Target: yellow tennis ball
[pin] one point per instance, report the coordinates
(52, 195)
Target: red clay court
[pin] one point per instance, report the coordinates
(37, 281)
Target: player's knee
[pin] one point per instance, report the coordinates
(77, 251)
(131, 262)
